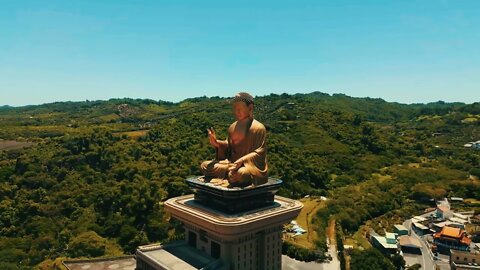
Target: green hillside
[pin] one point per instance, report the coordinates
(91, 182)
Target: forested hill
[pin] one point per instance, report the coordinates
(91, 183)
(373, 109)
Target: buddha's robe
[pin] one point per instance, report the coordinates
(246, 142)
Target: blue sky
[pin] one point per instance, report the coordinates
(404, 51)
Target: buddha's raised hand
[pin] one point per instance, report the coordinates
(212, 137)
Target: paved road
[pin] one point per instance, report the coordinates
(335, 263)
(426, 259)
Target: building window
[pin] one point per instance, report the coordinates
(192, 239)
(215, 249)
(203, 236)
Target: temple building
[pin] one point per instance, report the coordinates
(224, 229)
(451, 238)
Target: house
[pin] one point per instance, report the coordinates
(463, 260)
(458, 220)
(410, 244)
(444, 212)
(400, 229)
(461, 216)
(437, 227)
(386, 244)
(391, 238)
(420, 228)
(418, 219)
(451, 238)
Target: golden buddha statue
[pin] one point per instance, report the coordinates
(241, 158)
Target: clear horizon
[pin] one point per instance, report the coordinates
(405, 51)
(198, 96)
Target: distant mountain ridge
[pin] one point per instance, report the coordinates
(373, 108)
(315, 93)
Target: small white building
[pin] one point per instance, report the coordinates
(444, 212)
(462, 216)
(439, 226)
(418, 219)
(458, 220)
(386, 244)
(474, 145)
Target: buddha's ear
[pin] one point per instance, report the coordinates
(250, 109)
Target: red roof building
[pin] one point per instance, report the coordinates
(452, 238)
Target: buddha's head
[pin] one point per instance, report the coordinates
(242, 105)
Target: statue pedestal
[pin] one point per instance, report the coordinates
(234, 200)
(232, 237)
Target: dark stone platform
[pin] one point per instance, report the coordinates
(236, 199)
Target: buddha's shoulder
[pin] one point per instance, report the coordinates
(257, 125)
(232, 126)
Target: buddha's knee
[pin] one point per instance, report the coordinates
(241, 176)
(206, 166)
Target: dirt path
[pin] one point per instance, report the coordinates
(331, 232)
(304, 220)
(308, 220)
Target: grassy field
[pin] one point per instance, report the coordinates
(133, 134)
(472, 201)
(304, 220)
(359, 240)
(13, 145)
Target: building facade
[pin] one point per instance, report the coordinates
(464, 260)
(250, 239)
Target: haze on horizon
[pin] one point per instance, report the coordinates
(402, 51)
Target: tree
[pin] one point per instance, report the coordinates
(87, 244)
(416, 266)
(398, 261)
(369, 259)
(475, 172)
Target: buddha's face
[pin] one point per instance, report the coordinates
(241, 110)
